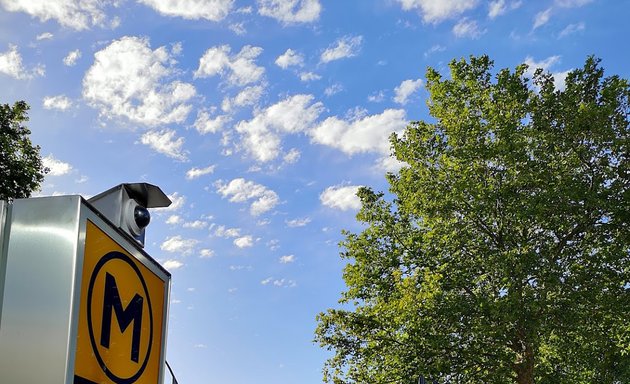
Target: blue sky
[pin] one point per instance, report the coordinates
(260, 119)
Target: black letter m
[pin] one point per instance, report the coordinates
(124, 317)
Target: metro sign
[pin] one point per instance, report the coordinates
(121, 316)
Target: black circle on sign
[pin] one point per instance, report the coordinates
(104, 260)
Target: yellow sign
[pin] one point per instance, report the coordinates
(121, 321)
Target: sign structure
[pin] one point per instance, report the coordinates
(121, 318)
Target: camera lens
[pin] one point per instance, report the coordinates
(141, 216)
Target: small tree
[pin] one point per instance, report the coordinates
(505, 253)
(21, 168)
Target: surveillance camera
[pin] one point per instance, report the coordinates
(126, 206)
(142, 216)
(136, 217)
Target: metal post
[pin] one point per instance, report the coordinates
(174, 380)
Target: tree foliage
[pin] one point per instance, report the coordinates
(504, 254)
(21, 168)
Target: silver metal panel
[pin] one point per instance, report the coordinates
(110, 204)
(3, 216)
(41, 267)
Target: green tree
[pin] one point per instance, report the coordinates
(21, 168)
(503, 254)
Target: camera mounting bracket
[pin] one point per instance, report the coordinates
(126, 205)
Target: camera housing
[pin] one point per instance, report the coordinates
(126, 206)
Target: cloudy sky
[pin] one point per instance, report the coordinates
(260, 119)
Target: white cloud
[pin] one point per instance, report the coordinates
(572, 3)
(333, 89)
(72, 57)
(227, 233)
(496, 8)
(348, 46)
(356, 113)
(177, 244)
(76, 14)
(273, 244)
(240, 190)
(11, 65)
(206, 124)
(243, 70)
(286, 259)
(213, 10)
(173, 219)
(206, 253)
(261, 136)
(559, 79)
(467, 28)
(244, 242)
(194, 172)
(248, 96)
(238, 28)
(309, 76)
(292, 156)
(289, 58)
(60, 102)
(368, 134)
(290, 11)
(177, 48)
(166, 143)
(239, 69)
(434, 11)
(298, 222)
(341, 197)
(128, 79)
(44, 36)
(57, 167)
(197, 224)
(388, 164)
(172, 264)
(571, 29)
(435, 48)
(283, 283)
(406, 89)
(376, 97)
(546, 65)
(499, 7)
(542, 18)
(214, 61)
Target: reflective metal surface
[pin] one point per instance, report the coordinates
(41, 249)
(3, 214)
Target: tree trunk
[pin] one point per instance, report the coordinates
(524, 369)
